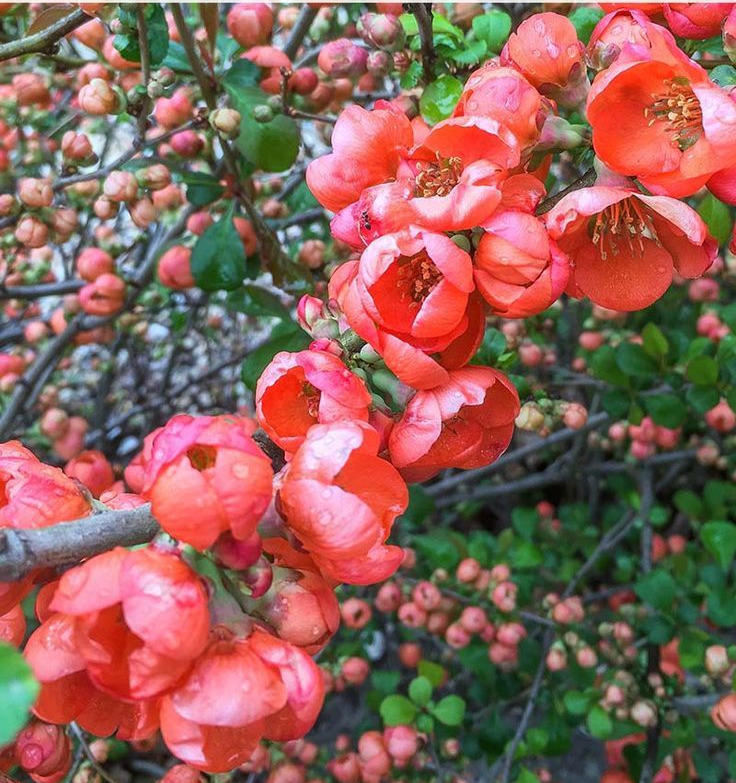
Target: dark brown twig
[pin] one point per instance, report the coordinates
(46, 38)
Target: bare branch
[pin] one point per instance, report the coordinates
(304, 21)
(45, 39)
(22, 551)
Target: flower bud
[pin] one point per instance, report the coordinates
(174, 268)
(99, 98)
(154, 177)
(31, 232)
(384, 31)
(716, 660)
(226, 122)
(231, 552)
(78, 148)
(44, 751)
(342, 58)
(723, 713)
(120, 186)
(644, 713)
(35, 193)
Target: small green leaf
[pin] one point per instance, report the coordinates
(254, 300)
(634, 360)
(450, 711)
(717, 217)
(202, 189)
(599, 723)
(719, 539)
(432, 671)
(243, 73)
(667, 410)
(689, 503)
(493, 29)
(604, 366)
(655, 343)
(397, 710)
(218, 257)
(18, 691)
(440, 98)
(702, 370)
(157, 35)
(420, 691)
(576, 702)
(657, 588)
(286, 336)
(723, 75)
(703, 398)
(585, 18)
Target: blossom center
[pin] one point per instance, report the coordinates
(202, 457)
(623, 223)
(679, 110)
(437, 177)
(311, 398)
(418, 276)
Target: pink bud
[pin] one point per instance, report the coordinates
(342, 58)
(99, 98)
(35, 193)
(120, 186)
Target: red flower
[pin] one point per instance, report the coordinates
(696, 21)
(409, 298)
(546, 49)
(519, 270)
(448, 182)
(340, 499)
(504, 95)
(298, 390)
(33, 494)
(465, 423)
(239, 691)
(207, 475)
(67, 693)
(93, 470)
(366, 150)
(44, 752)
(629, 35)
(141, 617)
(13, 626)
(662, 121)
(624, 246)
(301, 607)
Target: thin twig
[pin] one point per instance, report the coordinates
(46, 38)
(98, 768)
(300, 29)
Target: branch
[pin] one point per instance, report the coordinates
(585, 181)
(46, 38)
(304, 21)
(423, 14)
(41, 290)
(22, 551)
(471, 476)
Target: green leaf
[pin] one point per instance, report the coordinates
(721, 607)
(439, 98)
(717, 217)
(634, 360)
(604, 366)
(703, 398)
(385, 681)
(719, 539)
(431, 671)
(254, 300)
(599, 723)
(702, 370)
(657, 588)
(667, 410)
(271, 146)
(421, 504)
(218, 257)
(493, 29)
(655, 343)
(689, 503)
(202, 189)
(450, 711)
(177, 59)
(243, 73)
(527, 776)
(577, 702)
(18, 691)
(585, 19)
(471, 53)
(286, 336)
(420, 691)
(397, 710)
(157, 35)
(723, 75)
